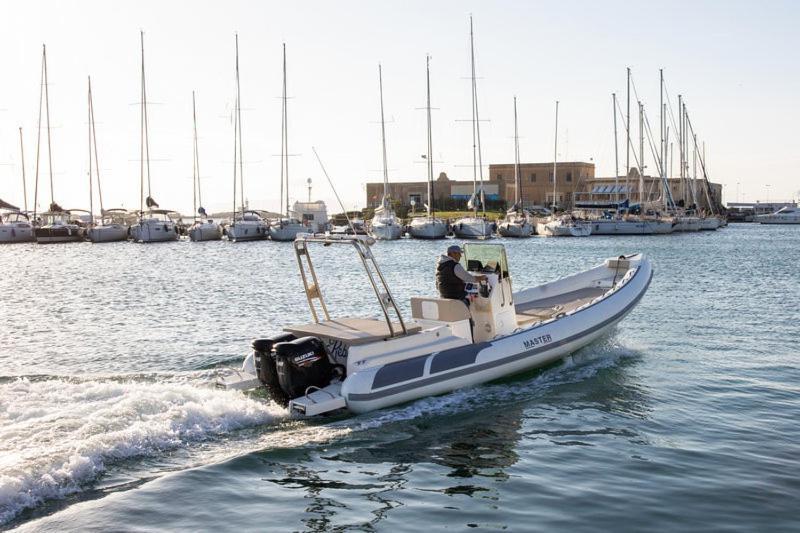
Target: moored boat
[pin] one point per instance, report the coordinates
(15, 227)
(784, 215)
(517, 221)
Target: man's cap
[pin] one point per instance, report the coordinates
(454, 249)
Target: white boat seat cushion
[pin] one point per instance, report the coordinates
(441, 309)
(351, 331)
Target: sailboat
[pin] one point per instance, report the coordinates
(245, 225)
(560, 225)
(384, 224)
(428, 226)
(54, 225)
(153, 225)
(474, 227)
(108, 229)
(285, 228)
(15, 226)
(201, 230)
(516, 222)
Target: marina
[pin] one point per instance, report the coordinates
(305, 301)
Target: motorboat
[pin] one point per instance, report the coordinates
(154, 225)
(247, 226)
(286, 229)
(563, 226)
(428, 226)
(784, 215)
(15, 227)
(361, 363)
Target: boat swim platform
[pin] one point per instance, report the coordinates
(353, 331)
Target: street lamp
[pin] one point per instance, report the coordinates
(413, 204)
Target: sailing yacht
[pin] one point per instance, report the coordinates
(200, 230)
(245, 225)
(428, 226)
(516, 223)
(475, 227)
(285, 227)
(560, 225)
(54, 225)
(384, 224)
(106, 229)
(152, 225)
(15, 226)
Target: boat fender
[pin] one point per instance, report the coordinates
(265, 365)
(301, 364)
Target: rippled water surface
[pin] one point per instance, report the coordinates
(686, 417)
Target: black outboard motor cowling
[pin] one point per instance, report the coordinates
(302, 363)
(265, 366)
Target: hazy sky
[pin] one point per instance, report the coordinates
(735, 62)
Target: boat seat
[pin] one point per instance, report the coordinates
(584, 294)
(352, 331)
(441, 309)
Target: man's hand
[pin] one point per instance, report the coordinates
(481, 277)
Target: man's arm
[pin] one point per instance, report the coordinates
(465, 276)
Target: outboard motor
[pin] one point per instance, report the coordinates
(265, 366)
(302, 363)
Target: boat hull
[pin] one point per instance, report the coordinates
(286, 232)
(108, 233)
(16, 232)
(533, 347)
(428, 229)
(241, 232)
(473, 228)
(709, 224)
(563, 230)
(208, 231)
(57, 234)
(515, 229)
(386, 232)
(154, 231)
(632, 227)
(687, 224)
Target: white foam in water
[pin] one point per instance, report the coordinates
(58, 435)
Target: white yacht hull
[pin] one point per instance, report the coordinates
(709, 223)
(154, 231)
(778, 219)
(16, 232)
(473, 228)
(557, 229)
(428, 228)
(684, 223)
(515, 229)
(286, 232)
(244, 231)
(205, 231)
(108, 233)
(386, 231)
(632, 227)
(532, 346)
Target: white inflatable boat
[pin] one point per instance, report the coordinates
(363, 364)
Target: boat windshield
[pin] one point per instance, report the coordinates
(482, 257)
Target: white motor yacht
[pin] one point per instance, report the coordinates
(784, 215)
(360, 364)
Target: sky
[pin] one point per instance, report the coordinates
(734, 62)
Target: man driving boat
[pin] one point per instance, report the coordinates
(452, 278)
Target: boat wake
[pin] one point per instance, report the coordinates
(58, 435)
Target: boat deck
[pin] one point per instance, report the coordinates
(547, 308)
(352, 331)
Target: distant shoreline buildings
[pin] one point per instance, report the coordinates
(575, 182)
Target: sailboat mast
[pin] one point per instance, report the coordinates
(474, 142)
(141, 135)
(616, 149)
(517, 182)
(477, 117)
(195, 170)
(628, 135)
(555, 159)
(235, 138)
(430, 137)
(239, 126)
(89, 135)
(285, 120)
(24, 185)
(38, 139)
(94, 145)
(146, 135)
(383, 143)
(47, 111)
(641, 152)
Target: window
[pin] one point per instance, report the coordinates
(551, 177)
(499, 177)
(533, 177)
(416, 198)
(569, 176)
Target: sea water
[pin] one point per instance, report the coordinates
(684, 417)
